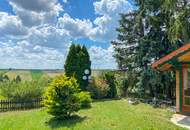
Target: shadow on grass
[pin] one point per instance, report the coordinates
(106, 100)
(69, 123)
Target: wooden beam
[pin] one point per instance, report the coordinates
(173, 55)
(177, 91)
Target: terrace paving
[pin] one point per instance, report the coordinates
(181, 120)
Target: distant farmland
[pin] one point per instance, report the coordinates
(31, 74)
(36, 74)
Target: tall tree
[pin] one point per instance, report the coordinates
(146, 34)
(78, 60)
(70, 63)
(85, 65)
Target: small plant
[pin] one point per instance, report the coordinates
(63, 97)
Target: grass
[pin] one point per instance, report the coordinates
(104, 115)
(36, 74)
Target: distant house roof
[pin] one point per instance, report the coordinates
(181, 55)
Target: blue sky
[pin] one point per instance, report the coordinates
(36, 34)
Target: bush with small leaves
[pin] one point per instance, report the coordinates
(63, 97)
(85, 99)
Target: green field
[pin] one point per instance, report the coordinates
(36, 74)
(104, 115)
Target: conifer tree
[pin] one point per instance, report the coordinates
(78, 60)
(154, 29)
(85, 64)
(70, 63)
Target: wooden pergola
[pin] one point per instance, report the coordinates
(178, 60)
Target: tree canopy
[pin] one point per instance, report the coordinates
(152, 30)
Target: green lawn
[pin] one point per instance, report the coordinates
(104, 115)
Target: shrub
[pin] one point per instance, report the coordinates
(122, 86)
(85, 99)
(18, 78)
(98, 88)
(6, 77)
(3, 77)
(24, 90)
(110, 79)
(63, 97)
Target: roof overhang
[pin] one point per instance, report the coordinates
(170, 61)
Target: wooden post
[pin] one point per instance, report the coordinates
(177, 91)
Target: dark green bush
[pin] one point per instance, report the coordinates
(18, 78)
(6, 77)
(122, 86)
(3, 77)
(110, 79)
(63, 97)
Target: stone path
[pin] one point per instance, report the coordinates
(181, 120)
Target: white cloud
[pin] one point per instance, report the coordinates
(45, 47)
(36, 12)
(112, 7)
(107, 22)
(36, 5)
(103, 27)
(102, 58)
(25, 55)
(65, 1)
(50, 36)
(76, 28)
(11, 26)
(46, 36)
